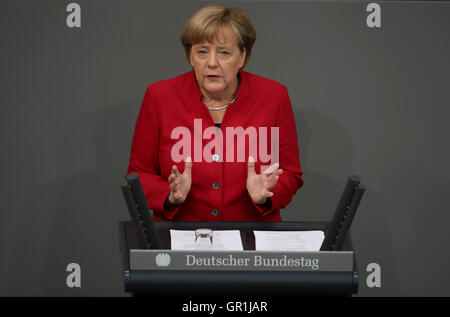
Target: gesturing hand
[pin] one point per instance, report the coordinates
(259, 185)
(180, 184)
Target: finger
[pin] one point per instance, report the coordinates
(188, 166)
(267, 194)
(171, 178)
(251, 166)
(175, 180)
(273, 179)
(270, 178)
(175, 170)
(176, 195)
(272, 168)
(273, 182)
(176, 189)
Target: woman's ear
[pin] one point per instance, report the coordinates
(243, 54)
(190, 58)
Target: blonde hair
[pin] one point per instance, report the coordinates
(208, 22)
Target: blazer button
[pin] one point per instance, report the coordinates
(214, 212)
(216, 157)
(215, 185)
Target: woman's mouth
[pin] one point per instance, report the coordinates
(213, 77)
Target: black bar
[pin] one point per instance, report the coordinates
(347, 221)
(339, 215)
(144, 241)
(144, 219)
(240, 283)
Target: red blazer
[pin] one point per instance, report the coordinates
(218, 191)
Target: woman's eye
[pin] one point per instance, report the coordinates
(202, 52)
(225, 53)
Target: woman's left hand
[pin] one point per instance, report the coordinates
(259, 185)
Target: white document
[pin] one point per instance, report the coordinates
(288, 240)
(229, 240)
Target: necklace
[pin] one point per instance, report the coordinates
(223, 107)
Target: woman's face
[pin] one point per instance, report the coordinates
(216, 65)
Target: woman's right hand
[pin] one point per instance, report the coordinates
(180, 184)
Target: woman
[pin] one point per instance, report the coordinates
(191, 171)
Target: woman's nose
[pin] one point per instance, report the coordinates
(212, 60)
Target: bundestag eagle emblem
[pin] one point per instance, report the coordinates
(162, 259)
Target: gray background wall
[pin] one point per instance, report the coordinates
(373, 102)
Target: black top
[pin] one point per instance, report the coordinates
(217, 125)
